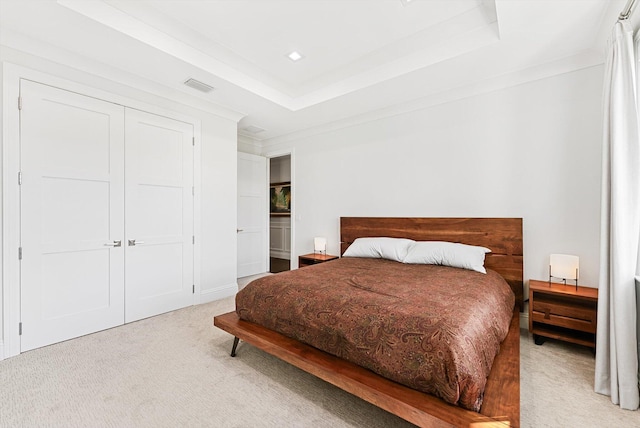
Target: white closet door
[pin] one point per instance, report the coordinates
(253, 214)
(72, 200)
(158, 214)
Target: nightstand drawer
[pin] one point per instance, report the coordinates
(588, 326)
(566, 308)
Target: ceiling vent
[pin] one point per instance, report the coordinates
(196, 84)
(253, 129)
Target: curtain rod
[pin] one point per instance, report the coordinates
(627, 10)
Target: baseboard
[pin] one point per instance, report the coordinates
(1, 350)
(219, 293)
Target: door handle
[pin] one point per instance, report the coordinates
(133, 242)
(114, 244)
(239, 230)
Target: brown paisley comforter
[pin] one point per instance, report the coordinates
(436, 329)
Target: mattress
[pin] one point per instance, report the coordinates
(436, 329)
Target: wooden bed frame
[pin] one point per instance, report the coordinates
(501, 405)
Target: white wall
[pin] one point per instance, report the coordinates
(1, 232)
(219, 208)
(530, 151)
(217, 238)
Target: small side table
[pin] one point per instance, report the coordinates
(314, 259)
(563, 312)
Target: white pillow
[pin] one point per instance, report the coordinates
(447, 254)
(380, 248)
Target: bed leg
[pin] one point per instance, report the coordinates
(235, 345)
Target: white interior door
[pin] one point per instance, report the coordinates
(158, 214)
(253, 214)
(72, 200)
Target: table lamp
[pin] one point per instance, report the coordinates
(320, 245)
(564, 266)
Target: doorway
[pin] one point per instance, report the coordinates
(280, 200)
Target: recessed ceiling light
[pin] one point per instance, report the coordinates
(406, 2)
(295, 56)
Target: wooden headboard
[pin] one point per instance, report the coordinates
(502, 235)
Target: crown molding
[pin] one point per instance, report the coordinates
(249, 145)
(18, 48)
(247, 139)
(585, 59)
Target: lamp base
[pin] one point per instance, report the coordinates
(564, 281)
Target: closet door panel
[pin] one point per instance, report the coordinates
(158, 214)
(153, 279)
(72, 205)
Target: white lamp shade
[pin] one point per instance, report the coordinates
(564, 266)
(320, 245)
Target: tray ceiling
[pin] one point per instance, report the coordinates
(359, 56)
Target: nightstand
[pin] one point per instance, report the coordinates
(314, 259)
(563, 312)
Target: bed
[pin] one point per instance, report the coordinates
(501, 394)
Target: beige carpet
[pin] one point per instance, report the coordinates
(174, 370)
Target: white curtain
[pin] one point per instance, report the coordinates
(617, 340)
